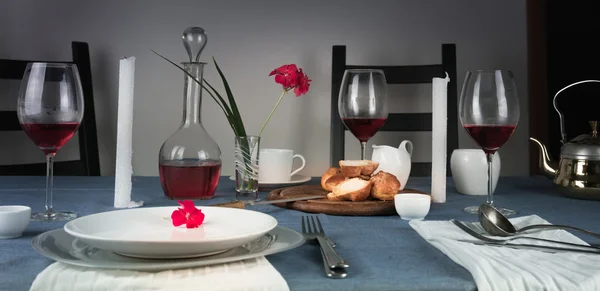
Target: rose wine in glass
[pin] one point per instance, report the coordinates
(489, 112)
(50, 109)
(362, 103)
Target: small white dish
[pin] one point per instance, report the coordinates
(412, 206)
(149, 232)
(13, 220)
(295, 180)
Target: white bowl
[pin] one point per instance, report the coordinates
(412, 206)
(13, 220)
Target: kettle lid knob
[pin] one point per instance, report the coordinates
(594, 125)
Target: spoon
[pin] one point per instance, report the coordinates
(497, 224)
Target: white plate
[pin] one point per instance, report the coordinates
(295, 180)
(59, 246)
(149, 232)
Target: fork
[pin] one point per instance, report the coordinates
(331, 257)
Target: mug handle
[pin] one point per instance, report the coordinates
(301, 167)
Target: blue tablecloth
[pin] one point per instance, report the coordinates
(384, 252)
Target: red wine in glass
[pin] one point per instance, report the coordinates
(189, 179)
(490, 137)
(364, 128)
(362, 103)
(489, 112)
(50, 108)
(50, 137)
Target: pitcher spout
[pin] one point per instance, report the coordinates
(546, 163)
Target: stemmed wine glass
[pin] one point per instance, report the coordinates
(489, 112)
(362, 103)
(50, 108)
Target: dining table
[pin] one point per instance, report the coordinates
(384, 252)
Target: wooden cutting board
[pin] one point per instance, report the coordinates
(361, 208)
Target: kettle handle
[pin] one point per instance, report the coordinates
(563, 134)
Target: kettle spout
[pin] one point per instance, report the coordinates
(545, 160)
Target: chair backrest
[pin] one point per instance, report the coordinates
(89, 162)
(419, 74)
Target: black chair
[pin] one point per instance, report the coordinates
(89, 162)
(420, 74)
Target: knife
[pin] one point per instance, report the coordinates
(547, 249)
(243, 204)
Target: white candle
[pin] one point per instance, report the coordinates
(439, 139)
(123, 169)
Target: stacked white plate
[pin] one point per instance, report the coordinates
(145, 239)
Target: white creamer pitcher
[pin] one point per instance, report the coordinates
(395, 161)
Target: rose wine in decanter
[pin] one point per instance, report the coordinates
(190, 160)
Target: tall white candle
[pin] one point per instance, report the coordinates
(439, 139)
(123, 169)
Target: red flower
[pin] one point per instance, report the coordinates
(303, 83)
(189, 215)
(290, 77)
(286, 75)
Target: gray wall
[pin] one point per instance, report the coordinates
(249, 39)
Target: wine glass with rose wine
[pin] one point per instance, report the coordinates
(50, 108)
(362, 103)
(489, 112)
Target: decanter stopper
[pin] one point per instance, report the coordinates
(194, 40)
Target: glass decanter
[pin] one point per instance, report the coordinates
(190, 160)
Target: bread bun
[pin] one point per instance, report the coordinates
(357, 168)
(354, 189)
(332, 171)
(333, 181)
(384, 186)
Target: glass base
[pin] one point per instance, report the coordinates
(53, 216)
(504, 211)
(246, 195)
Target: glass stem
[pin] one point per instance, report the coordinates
(49, 181)
(363, 147)
(490, 196)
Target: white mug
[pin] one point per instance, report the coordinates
(275, 165)
(470, 171)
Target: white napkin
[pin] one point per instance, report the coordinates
(247, 275)
(503, 268)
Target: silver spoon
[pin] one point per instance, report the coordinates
(497, 224)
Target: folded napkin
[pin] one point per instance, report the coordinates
(247, 275)
(503, 268)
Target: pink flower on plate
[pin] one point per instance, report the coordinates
(187, 214)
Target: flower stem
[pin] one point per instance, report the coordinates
(272, 111)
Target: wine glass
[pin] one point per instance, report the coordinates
(362, 103)
(50, 108)
(489, 112)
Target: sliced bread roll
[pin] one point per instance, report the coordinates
(357, 168)
(354, 189)
(333, 181)
(332, 171)
(384, 186)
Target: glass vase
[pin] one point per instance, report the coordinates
(190, 160)
(246, 167)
